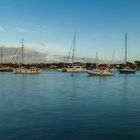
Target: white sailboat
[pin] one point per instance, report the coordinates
(4, 68)
(74, 68)
(100, 72)
(26, 70)
(126, 70)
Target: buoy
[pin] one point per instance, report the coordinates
(72, 74)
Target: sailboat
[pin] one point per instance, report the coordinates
(23, 69)
(73, 68)
(126, 70)
(4, 68)
(99, 70)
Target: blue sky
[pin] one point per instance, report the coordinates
(50, 25)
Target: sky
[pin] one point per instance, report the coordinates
(50, 25)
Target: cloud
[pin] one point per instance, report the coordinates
(31, 25)
(26, 23)
(26, 28)
(2, 29)
(116, 36)
(31, 30)
(50, 48)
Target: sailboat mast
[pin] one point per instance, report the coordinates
(125, 48)
(96, 59)
(1, 55)
(113, 56)
(22, 49)
(74, 42)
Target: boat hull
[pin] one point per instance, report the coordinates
(99, 73)
(6, 69)
(26, 71)
(74, 70)
(127, 71)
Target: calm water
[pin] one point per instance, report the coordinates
(54, 105)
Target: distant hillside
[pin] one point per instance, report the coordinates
(13, 54)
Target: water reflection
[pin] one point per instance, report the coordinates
(23, 91)
(103, 81)
(60, 106)
(124, 84)
(73, 90)
(23, 84)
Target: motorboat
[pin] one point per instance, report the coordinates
(100, 72)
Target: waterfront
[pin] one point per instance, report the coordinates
(54, 105)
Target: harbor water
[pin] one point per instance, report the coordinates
(57, 106)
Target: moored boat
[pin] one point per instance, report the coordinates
(74, 69)
(126, 70)
(24, 70)
(99, 73)
(6, 69)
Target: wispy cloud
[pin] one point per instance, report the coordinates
(51, 48)
(31, 25)
(116, 36)
(26, 23)
(2, 29)
(27, 30)
(26, 27)
(20, 29)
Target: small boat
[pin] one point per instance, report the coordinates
(126, 70)
(113, 70)
(74, 69)
(99, 72)
(24, 70)
(6, 69)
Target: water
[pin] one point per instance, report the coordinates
(54, 105)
